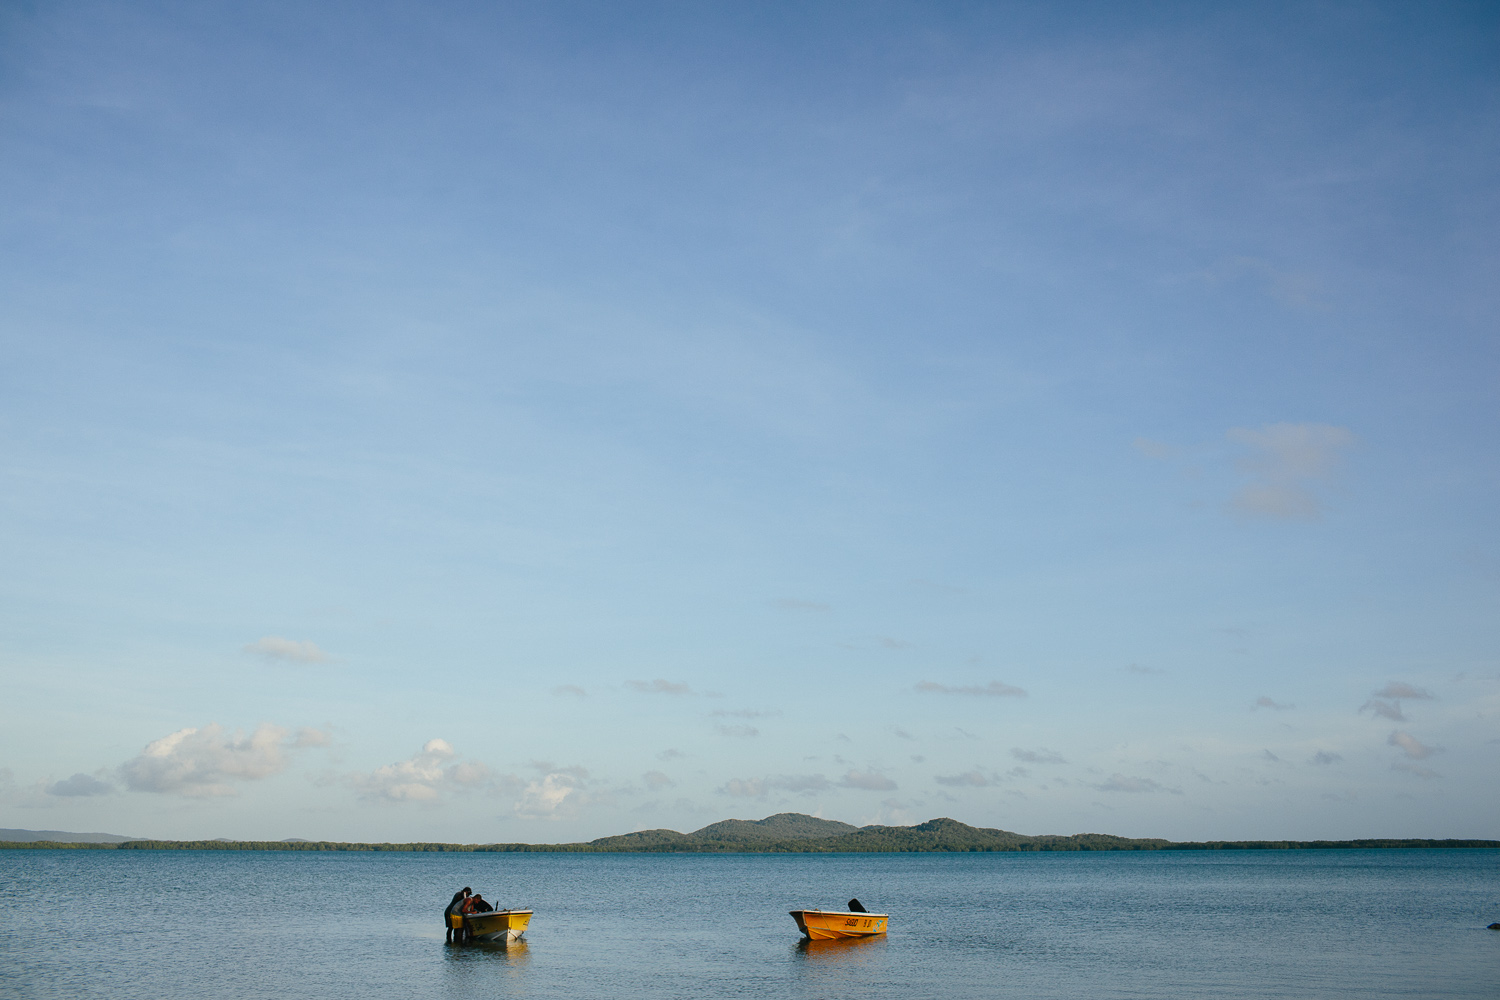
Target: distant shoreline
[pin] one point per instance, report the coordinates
(784, 833)
(437, 848)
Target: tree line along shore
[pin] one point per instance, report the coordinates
(784, 833)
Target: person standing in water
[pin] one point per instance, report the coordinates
(455, 908)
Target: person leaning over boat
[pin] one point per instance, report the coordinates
(454, 909)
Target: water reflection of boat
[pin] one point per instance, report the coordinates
(497, 925)
(841, 949)
(829, 925)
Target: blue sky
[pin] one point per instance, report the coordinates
(534, 422)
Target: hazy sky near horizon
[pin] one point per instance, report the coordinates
(531, 422)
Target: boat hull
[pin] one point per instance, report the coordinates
(497, 925)
(831, 925)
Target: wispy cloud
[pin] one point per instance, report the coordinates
(1272, 704)
(1136, 668)
(1420, 772)
(569, 691)
(742, 732)
(81, 786)
(891, 642)
(203, 762)
(657, 780)
(1037, 756)
(1398, 690)
(968, 779)
(1158, 451)
(274, 647)
(798, 604)
(1325, 757)
(671, 754)
(743, 713)
(994, 689)
(868, 781)
(1411, 746)
(1386, 702)
(1385, 709)
(1121, 783)
(759, 788)
(1285, 462)
(658, 686)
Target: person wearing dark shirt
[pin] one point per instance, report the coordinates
(455, 907)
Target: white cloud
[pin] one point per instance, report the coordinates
(308, 737)
(557, 794)
(994, 689)
(419, 778)
(867, 781)
(201, 763)
(658, 686)
(1411, 746)
(1286, 461)
(79, 786)
(1273, 705)
(274, 647)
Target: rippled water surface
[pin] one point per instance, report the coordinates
(166, 924)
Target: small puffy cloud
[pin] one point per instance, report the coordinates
(80, 786)
(1385, 709)
(1285, 462)
(569, 691)
(201, 763)
(1272, 704)
(867, 781)
(557, 794)
(994, 689)
(274, 647)
(658, 686)
(416, 779)
(968, 779)
(1325, 757)
(1398, 690)
(1411, 746)
(759, 788)
(1120, 783)
(656, 779)
(1037, 756)
(797, 604)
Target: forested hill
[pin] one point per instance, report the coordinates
(788, 833)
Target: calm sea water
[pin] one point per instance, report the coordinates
(124, 924)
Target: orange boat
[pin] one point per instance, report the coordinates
(829, 925)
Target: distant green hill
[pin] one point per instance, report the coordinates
(61, 837)
(787, 833)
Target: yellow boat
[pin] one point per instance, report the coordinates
(828, 925)
(497, 925)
